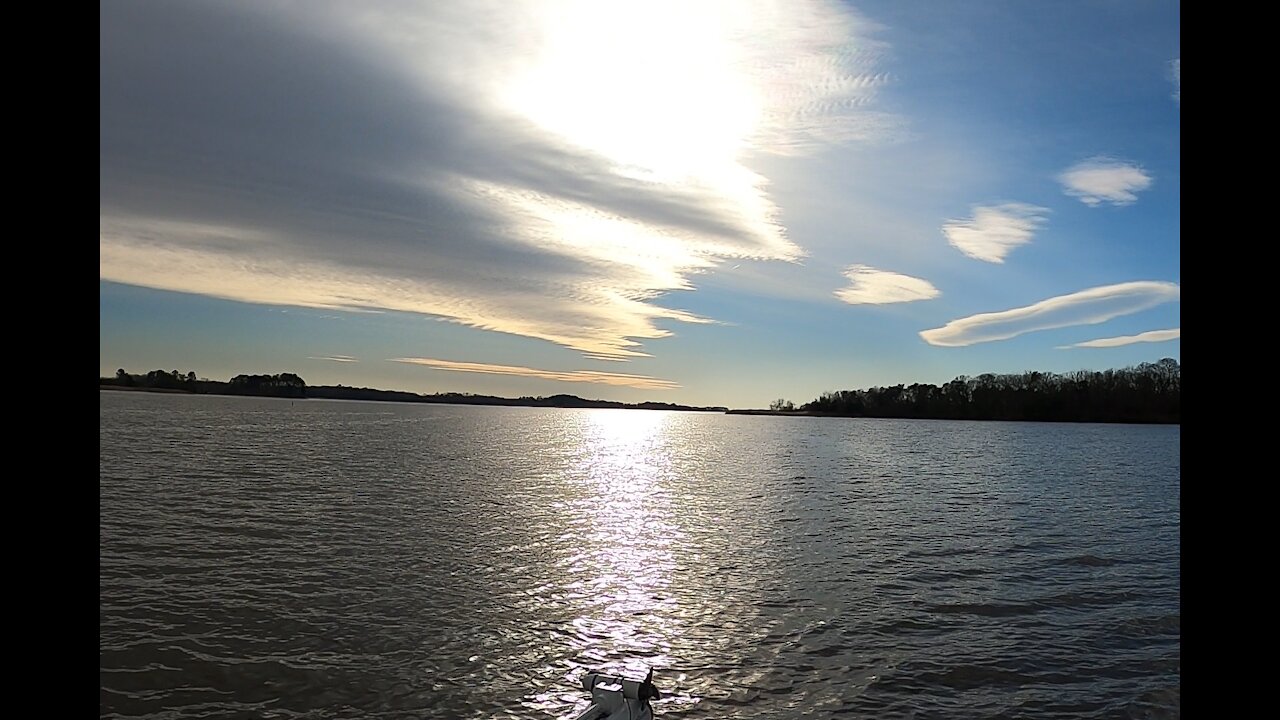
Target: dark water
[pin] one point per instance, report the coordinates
(319, 559)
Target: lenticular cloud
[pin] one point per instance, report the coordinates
(1086, 307)
(1104, 180)
(869, 286)
(995, 230)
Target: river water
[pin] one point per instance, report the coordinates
(267, 558)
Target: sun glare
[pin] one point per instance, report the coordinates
(656, 87)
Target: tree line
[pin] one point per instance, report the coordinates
(1145, 393)
(292, 386)
(278, 385)
(342, 392)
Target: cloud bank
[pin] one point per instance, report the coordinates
(1104, 180)
(525, 167)
(1149, 336)
(994, 230)
(1086, 307)
(870, 286)
(642, 382)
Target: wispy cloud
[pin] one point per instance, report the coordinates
(334, 358)
(994, 230)
(1148, 337)
(1086, 307)
(1102, 179)
(870, 286)
(643, 382)
(527, 167)
(1176, 68)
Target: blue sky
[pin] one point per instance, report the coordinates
(713, 203)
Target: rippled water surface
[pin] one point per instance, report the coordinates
(265, 558)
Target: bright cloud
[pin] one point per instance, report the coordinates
(334, 358)
(1087, 307)
(530, 167)
(1149, 336)
(1102, 179)
(994, 231)
(870, 286)
(643, 382)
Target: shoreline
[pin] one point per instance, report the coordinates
(744, 411)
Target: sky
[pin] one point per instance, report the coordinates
(706, 203)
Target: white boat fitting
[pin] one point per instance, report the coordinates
(616, 698)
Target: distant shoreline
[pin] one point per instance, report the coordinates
(723, 411)
(340, 392)
(146, 389)
(1146, 394)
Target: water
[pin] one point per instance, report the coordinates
(266, 558)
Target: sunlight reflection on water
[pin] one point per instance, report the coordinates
(618, 535)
